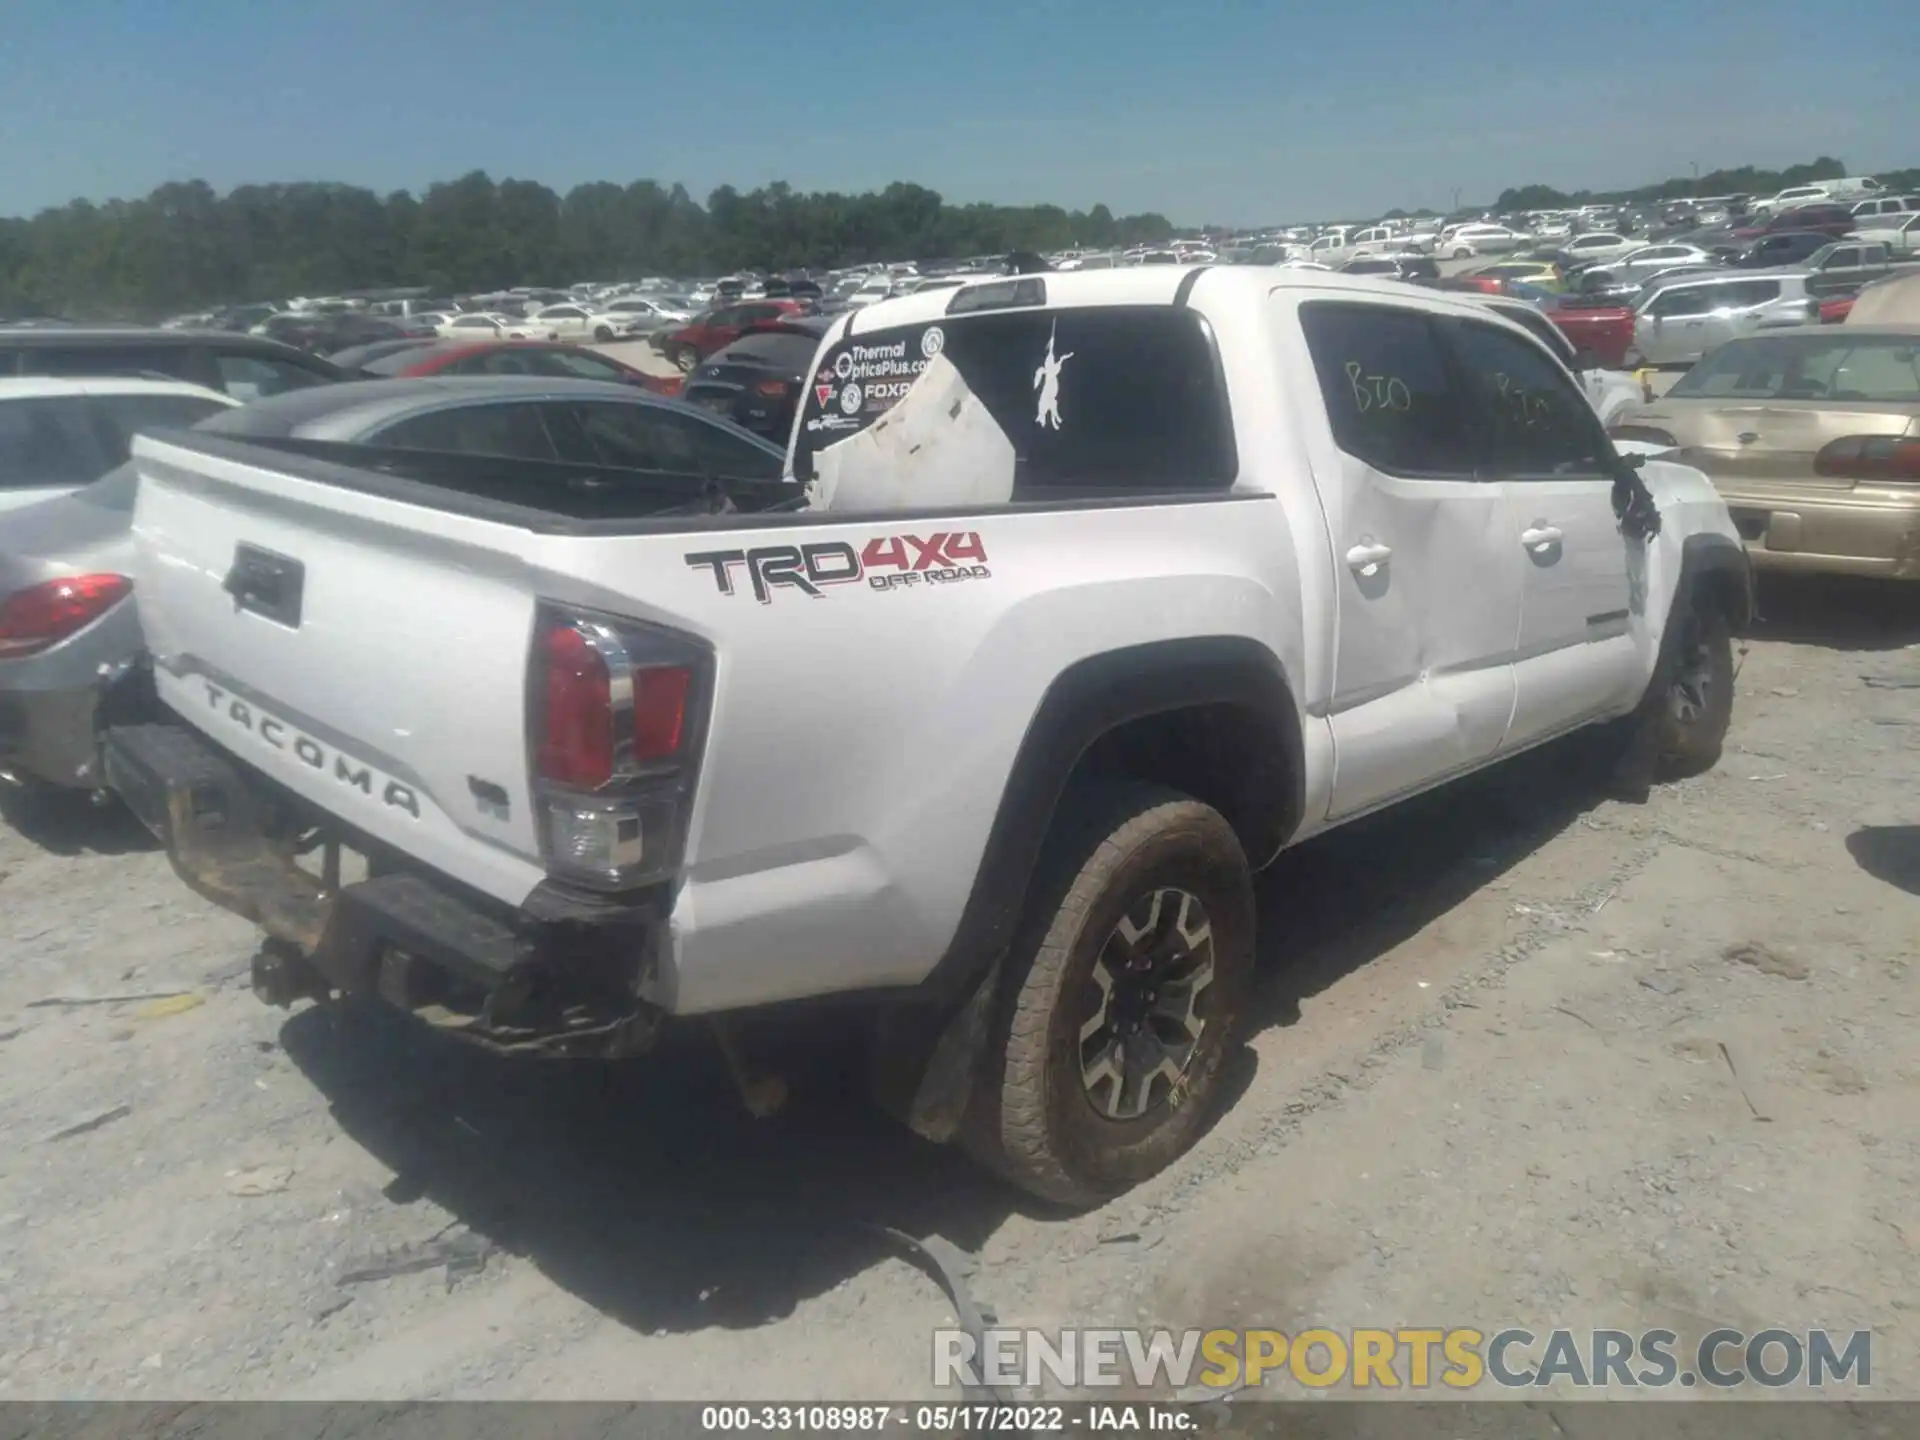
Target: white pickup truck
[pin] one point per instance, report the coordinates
(1089, 595)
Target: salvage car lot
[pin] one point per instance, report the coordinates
(1521, 1056)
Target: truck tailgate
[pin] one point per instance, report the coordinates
(350, 646)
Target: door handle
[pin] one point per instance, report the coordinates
(1539, 536)
(1365, 557)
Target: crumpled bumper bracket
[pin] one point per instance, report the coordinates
(562, 987)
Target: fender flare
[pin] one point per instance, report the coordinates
(928, 1043)
(1713, 560)
(1085, 701)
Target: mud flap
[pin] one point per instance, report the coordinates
(926, 1058)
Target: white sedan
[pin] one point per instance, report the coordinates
(1649, 259)
(1601, 245)
(480, 326)
(635, 315)
(570, 322)
(589, 322)
(1470, 240)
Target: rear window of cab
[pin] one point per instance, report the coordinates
(1092, 400)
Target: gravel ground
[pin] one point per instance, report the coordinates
(1521, 1056)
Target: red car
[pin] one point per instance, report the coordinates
(1602, 331)
(1834, 220)
(1833, 311)
(719, 328)
(511, 357)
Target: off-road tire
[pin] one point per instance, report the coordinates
(1032, 1119)
(1703, 660)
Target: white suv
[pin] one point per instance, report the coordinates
(1677, 323)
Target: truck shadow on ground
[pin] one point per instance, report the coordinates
(1889, 853)
(67, 822)
(1337, 903)
(1838, 612)
(645, 1189)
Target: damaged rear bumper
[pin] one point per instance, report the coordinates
(559, 976)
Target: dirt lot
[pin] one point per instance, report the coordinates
(1521, 1056)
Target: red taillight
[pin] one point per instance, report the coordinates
(576, 733)
(42, 615)
(659, 711)
(774, 388)
(1891, 459)
(617, 708)
(581, 702)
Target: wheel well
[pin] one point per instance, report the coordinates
(1223, 754)
(1717, 573)
(1722, 592)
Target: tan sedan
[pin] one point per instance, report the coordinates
(1812, 437)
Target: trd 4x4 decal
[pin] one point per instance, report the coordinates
(886, 562)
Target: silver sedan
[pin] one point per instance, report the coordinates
(1650, 259)
(75, 553)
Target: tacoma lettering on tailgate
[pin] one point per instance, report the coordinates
(887, 562)
(282, 736)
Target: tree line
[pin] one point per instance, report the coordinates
(1741, 180)
(185, 247)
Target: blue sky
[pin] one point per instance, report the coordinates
(1205, 110)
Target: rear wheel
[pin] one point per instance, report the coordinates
(686, 359)
(1127, 979)
(602, 334)
(1698, 705)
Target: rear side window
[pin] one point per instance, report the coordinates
(515, 430)
(1747, 292)
(639, 437)
(1091, 401)
(254, 377)
(1542, 329)
(576, 365)
(792, 354)
(505, 361)
(47, 441)
(1531, 419)
(80, 361)
(1685, 300)
(1389, 394)
(652, 437)
(125, 416)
